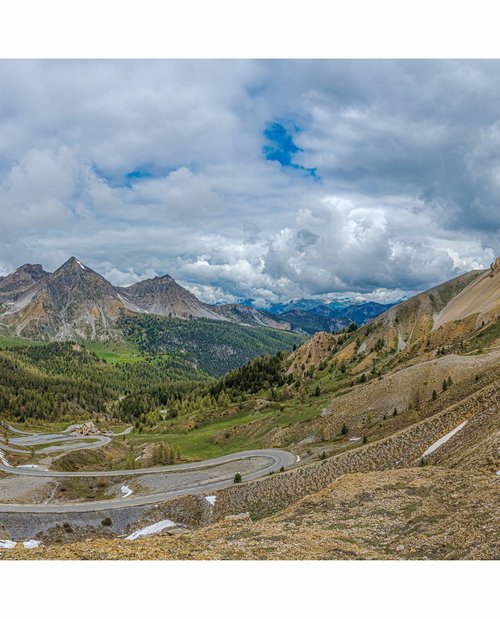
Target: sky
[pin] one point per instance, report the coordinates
(264, 180)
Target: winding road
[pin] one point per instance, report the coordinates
(274, 459)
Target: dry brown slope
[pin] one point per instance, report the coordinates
(481, 297)
(429, 513)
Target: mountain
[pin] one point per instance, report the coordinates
(74, 302)
(20, 283)
(363, 312)
(308, 322)
(163, 296)
(155, 317)
(245, 314)
(294, 304)
(310, 316)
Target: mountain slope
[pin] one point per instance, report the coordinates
(163, 296)
(216, 346)
(481, 297)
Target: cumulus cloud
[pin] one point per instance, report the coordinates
(266, 180)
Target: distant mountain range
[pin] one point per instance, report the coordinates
(75, 302)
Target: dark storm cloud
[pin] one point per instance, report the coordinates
(253, 179)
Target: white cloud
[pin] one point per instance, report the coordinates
(407, 154)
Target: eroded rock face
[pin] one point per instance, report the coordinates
(495, 267)
(21, 281)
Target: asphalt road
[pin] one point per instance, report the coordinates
(275, 459)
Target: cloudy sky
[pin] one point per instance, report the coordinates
(266, 180)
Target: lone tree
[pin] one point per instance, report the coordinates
(237, 478)
(344, 430)
(445, 385)
(434, 395)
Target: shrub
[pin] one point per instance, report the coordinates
(237, 478)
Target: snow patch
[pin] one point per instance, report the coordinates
(126, 491)
(3, 459)
(443, 439)
(497, 473)
(7, 543)
(81, 265)
(355, 438)
(31, 466)
(31, 543)
(153, 528)
(362, 348)
(401, 343)
(211, 499)
(297, 459)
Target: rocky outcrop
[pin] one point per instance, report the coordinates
(495, 267)
(20, 282)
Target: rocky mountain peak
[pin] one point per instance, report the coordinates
(73, 264)
(22, 280)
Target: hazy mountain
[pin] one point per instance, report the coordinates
(245, 314)
(308, 322)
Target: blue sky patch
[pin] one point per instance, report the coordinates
(281, 148)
